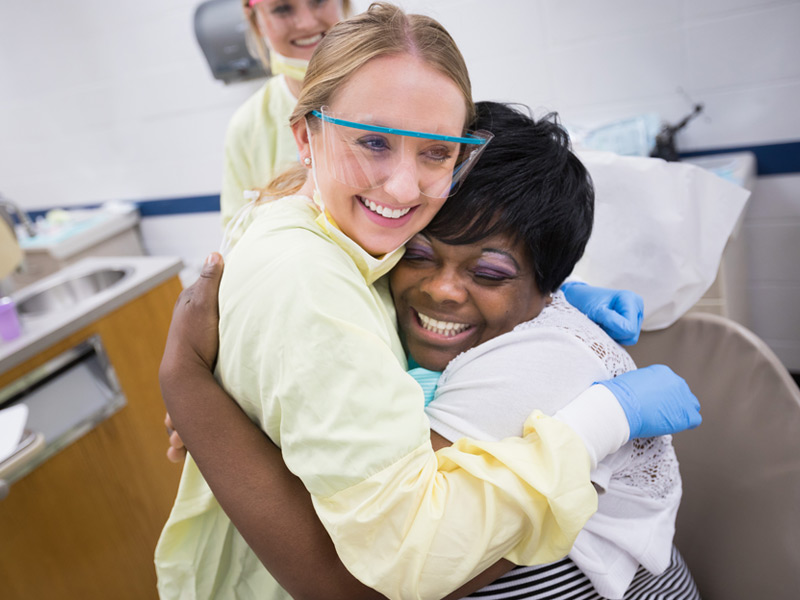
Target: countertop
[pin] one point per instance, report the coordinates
(41, 332)
(82, 230)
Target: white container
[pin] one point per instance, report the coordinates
(108, 231)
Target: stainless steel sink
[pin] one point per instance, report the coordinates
(67, 293)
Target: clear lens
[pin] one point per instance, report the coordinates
(365, 153)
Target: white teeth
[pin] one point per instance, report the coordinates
(445, 328)
(309, 40)
(385, 211)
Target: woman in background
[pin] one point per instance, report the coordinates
(259, 142)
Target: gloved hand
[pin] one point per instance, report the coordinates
(618, 312)
(656, 401)
(428, 380)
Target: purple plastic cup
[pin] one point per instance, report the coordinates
(9, 322)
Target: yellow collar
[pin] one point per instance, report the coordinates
(371, 268)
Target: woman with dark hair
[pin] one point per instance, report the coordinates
(477, 296)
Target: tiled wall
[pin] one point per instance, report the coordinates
(596, 62)
(103, 101)
(772, 230)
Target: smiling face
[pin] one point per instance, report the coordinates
(393, 91)
(451, 298)
(294, 28)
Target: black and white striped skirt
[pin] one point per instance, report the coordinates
(563, 580)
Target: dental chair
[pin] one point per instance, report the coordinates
(739, 522)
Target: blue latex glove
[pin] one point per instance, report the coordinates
(618, 312)
(428, 380)
(656, 401)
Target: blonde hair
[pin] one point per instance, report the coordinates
(383, 30)
(256, 44)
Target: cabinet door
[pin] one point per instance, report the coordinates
(85, 523)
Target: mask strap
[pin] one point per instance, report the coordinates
(237, 221)
(317, 196)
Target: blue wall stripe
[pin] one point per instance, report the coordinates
(772, 159)
(179, 206)
(158, 208)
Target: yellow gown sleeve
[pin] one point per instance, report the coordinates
(422, 527)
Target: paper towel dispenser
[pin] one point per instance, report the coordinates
(221, 31)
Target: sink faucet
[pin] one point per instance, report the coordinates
(7, 207)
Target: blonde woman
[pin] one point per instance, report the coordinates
(309, 349)
(259, 142)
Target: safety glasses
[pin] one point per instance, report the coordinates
(362, 152)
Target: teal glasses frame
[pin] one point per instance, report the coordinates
(469, 139)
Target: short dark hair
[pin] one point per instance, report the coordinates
(527, 184)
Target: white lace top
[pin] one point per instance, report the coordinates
(488, 391)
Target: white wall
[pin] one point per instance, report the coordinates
(595, 62)
(103, 100)
(113, 100)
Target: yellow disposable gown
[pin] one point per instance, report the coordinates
(258, 144)
(308, 347)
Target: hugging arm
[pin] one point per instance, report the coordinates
(268, 504)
